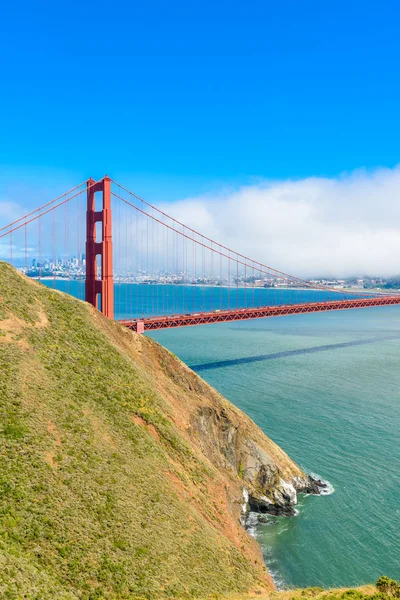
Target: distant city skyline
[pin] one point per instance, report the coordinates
(74, 268)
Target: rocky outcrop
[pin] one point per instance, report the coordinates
(267, 487)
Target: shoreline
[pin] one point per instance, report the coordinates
(234, 287)
(255, 520)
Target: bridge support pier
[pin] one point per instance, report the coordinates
(99, 291)
(140, 327)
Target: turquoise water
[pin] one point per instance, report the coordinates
(325, 387)
(133, 300)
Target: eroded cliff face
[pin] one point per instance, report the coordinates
(267, 487)
(269, 481)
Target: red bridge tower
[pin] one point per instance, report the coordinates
(104, 286)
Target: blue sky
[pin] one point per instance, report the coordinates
(180, 98)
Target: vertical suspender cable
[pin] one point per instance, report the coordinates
(26, 247)
(237, 282)
(53, 222)
(220, 280)
(40, 247)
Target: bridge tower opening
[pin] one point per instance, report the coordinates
(99, 291)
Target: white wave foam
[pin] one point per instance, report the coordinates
(325, 491)
(282, 530)
(251, 524)
(270, 563)
(277, 579)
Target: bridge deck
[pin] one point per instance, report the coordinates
(223, 316)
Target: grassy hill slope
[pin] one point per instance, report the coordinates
(109, 484)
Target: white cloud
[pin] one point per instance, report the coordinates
(9, 211)
(349, 225)
(316, 226)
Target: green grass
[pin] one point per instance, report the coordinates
(384, 589)
(86, 508)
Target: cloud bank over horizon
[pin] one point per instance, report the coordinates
(313, 227)
(332, 227)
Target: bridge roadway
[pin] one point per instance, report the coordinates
(241, 314)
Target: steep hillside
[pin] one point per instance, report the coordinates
(122, 473)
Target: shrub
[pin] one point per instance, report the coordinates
(388, 586)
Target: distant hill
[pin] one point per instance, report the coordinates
(122, 473)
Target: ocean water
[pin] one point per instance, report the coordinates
(326, 388)
(133, 300)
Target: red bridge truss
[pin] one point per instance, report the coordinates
(166, 322)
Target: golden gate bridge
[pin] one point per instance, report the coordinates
(117, 236)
